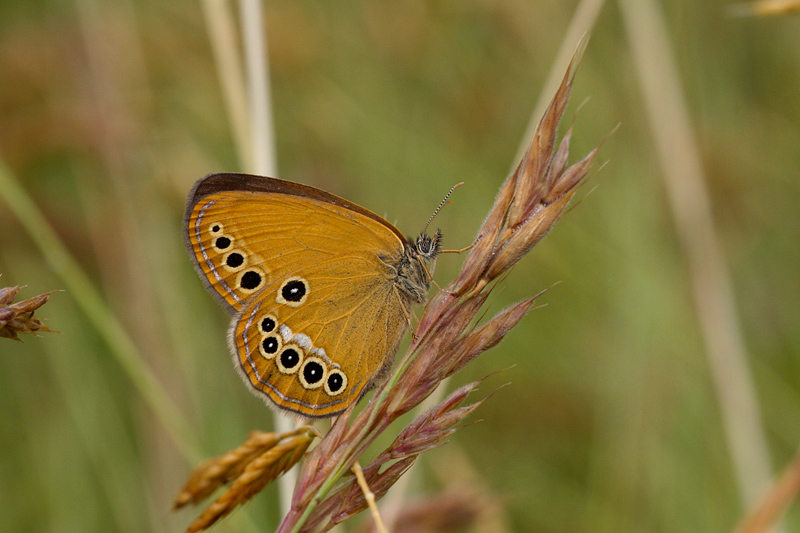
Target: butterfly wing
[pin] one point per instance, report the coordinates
(310, 278)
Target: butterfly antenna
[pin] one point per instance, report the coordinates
(441, 204)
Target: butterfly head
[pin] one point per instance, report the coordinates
(427, 247)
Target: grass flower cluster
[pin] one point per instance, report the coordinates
(249, 468)
(16, 318)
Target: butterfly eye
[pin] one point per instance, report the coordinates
(293, 292)
(290, 359)
(423, 244)
(312, 374)
(429, 246)
(336, 382)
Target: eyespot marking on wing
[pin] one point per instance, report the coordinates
(222, 243)
(270, 345)
(289, 359)
(312, 373)
(250, 280)
(335, 383)
(234, 261)
(267, 324)
(293, 292)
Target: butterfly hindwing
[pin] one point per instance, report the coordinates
(309, 277)
(318, 358)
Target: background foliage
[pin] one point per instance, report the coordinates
(109, 111)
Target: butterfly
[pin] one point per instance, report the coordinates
(320, 289)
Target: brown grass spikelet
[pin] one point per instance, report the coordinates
(214, 473)
(262, 458)
(16, 318)
(531, 200)
(446, 338)
(428, 430)
(425, 433)
(349, 500)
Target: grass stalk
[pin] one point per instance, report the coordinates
(228, 62)
(263, 159)
(100, 315)
(692, 216)
(775, 502)
(260, 96)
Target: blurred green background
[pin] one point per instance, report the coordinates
(109, 111)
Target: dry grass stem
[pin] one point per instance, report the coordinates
(769, 509)
(711, 284)
(16, 318)
(370, 498)
(446, 339)
(249, 468)
(765, 8)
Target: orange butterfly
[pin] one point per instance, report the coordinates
(320, 288)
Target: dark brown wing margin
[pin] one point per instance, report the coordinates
(214, 183)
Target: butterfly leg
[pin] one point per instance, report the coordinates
(408, 319)
(409, 313)
(462, 250)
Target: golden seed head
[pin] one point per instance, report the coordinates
(248, 469)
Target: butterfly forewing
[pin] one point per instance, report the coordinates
(311, 284)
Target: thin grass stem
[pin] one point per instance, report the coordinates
(370, 497)
(228, 61)
(775, 502)
(691, 210)
(80, 287)
(260, 97)
(264, 160)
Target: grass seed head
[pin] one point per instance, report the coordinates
(16, 318)
(249, 468)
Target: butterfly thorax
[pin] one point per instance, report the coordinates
(415, 268)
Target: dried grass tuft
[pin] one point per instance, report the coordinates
(249, 468)
(16, 318)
